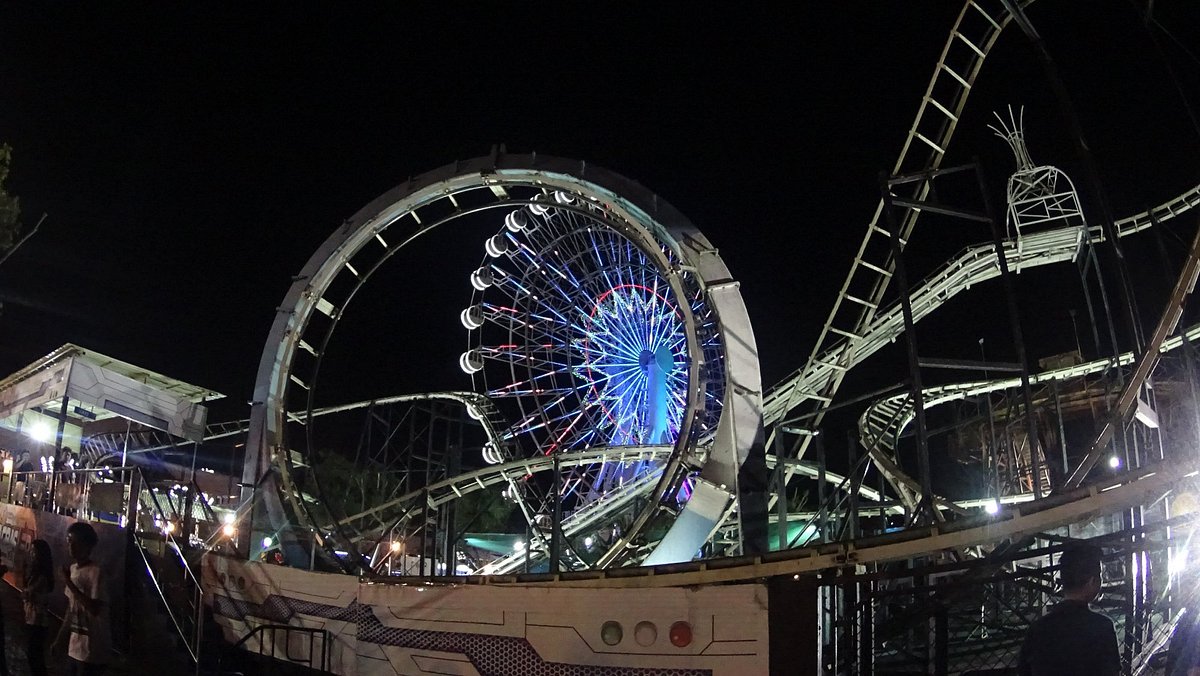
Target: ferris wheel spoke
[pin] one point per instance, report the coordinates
(539, 359)
(604, 340)
(547, 282)
(527, 423)
(546, 262)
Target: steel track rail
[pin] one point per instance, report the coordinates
(1015, 521)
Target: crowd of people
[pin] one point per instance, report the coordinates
(65, 461)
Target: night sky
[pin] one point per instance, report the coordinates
(191, 160)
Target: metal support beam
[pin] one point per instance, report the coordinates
(970, 365)
(1014, 319)
(914, 366)
(556, 525)
(935, 208)
(1184, 286)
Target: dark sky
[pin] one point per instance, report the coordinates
(191, 160)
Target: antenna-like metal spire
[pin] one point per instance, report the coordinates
(1013, 133)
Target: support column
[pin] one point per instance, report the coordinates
(900, 277)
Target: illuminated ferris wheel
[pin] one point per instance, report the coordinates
(575, 330)
(611, 352)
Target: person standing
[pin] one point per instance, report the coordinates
(39, 582)
(25, 463)
(90, 641)
(1072, 638)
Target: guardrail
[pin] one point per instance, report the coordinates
(318, 662)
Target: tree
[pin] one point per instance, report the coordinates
(10, 206)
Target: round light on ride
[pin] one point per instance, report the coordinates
(496, 246)
(472, 317)
(229, 518)
(519, 546)
(1114, 462)
(471, 362)
(588, 542)
(645, 633)
(539, 209)
(169, 527)
(482, 279)
(267, 542)
(991, 507)
(681, 634)
(41, 432)
(228, 530)
(516, 221)
(395, 546)
(611, 633)
(564, 198)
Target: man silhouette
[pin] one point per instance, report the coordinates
(1071, 638)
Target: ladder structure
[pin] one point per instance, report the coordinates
(859, 301)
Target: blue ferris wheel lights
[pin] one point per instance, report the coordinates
(629, 351)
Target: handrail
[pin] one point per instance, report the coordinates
(287, 629)
(168, 537)
(191, 639)
(193, 653)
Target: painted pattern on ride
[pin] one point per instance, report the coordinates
(489, 654)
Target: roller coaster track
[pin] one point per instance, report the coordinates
(856, 327)
(972, 266)
(898, 411)
(971, 39)
(481, 407)
(1106, 496)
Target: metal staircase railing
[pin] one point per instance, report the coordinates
(184, 602)
(319, 661)
(90, 497)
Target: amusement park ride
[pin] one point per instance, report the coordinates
(619, 427)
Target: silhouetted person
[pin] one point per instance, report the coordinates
(87, 605)
(39, 582)
(1071, 638)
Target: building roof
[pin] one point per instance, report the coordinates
(189, 392)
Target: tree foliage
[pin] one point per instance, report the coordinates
(10, 206)
(483, 512)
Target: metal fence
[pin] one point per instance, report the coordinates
(967, 614)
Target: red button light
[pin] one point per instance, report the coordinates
(681, 634)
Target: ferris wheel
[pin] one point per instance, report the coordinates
(608, 341)
(576, 331)
(578, 335)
